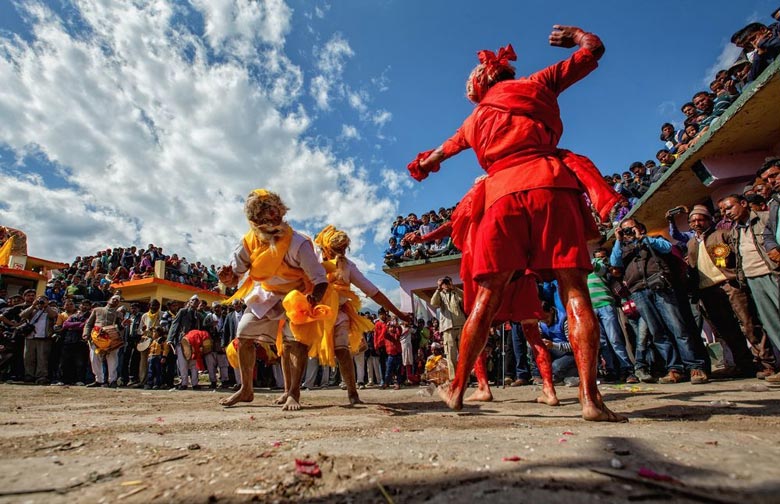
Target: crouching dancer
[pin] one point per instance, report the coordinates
(278, 261)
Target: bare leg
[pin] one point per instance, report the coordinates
(584, 339)
(483, 392)
(348, 374)
(543, 362)
(246, 366)
(474, 336)
(286, 375)
(297, 353)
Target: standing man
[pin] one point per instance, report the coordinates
(754, 266)
(37, 345)
(770, 174)
(278, 261)
(131, 357)
(98, 321)
(647, 275)
(73, 364)
(185, 321)
(726, 303)
(612, 342)
(149, 321)
(528, 213)
(449, 300)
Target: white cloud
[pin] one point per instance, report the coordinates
(727, 56)
(395, 181)
(357, 100)
(381, 117)
(331, 61)
(234, 26)
(349, 132)
(156, 140)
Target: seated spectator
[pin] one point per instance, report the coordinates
(620, 211)
(691, 116)
(640, 183)
(394, 253)
(739, 72)
(710, 107)
(665, 157)
(764, 44)
(440, 247)
(554, 328)
(414, 251)
(668, 138)
(412, 222)
(400, 228)
(426, 226)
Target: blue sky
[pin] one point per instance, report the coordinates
(122, 124)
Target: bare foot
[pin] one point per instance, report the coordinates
(548, 397)
(481, 395)
(453, 400)
(240, 396)
(291, 404)
(354, 399)
(281, 399)
(600, 413)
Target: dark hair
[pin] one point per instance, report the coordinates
(700, 93)
(768, 163)
(636, 164)
(755, 199)
(660, 151)
(739, 197)
(686, 105)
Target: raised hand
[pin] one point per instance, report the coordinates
(565, 36)
(227, 276)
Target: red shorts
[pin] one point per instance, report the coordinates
(539, 230)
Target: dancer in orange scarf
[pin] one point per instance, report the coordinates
(528, 214)
(349, 325)
(277, 262)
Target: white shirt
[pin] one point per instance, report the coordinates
(300, 255)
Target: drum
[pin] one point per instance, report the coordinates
(232, 353)
(106, 338)
(207, 346)
(144, 344)
(186, 348)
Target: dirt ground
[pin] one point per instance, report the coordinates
(720, 443)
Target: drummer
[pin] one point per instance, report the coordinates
(104, 319)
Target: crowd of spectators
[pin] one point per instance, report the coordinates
(760, 45)
(399, 247)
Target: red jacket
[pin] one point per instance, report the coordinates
(393, 340)
(380, 329)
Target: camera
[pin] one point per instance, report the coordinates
(676, 210)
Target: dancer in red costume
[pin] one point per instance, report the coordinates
(529, 213)
(528, 314)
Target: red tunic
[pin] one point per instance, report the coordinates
(528, 213)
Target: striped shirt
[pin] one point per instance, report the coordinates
(600, 295)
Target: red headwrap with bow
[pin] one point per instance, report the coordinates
(492, 67)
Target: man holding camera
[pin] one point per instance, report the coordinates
(648, 277)
(38, 342)
(449, 301)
